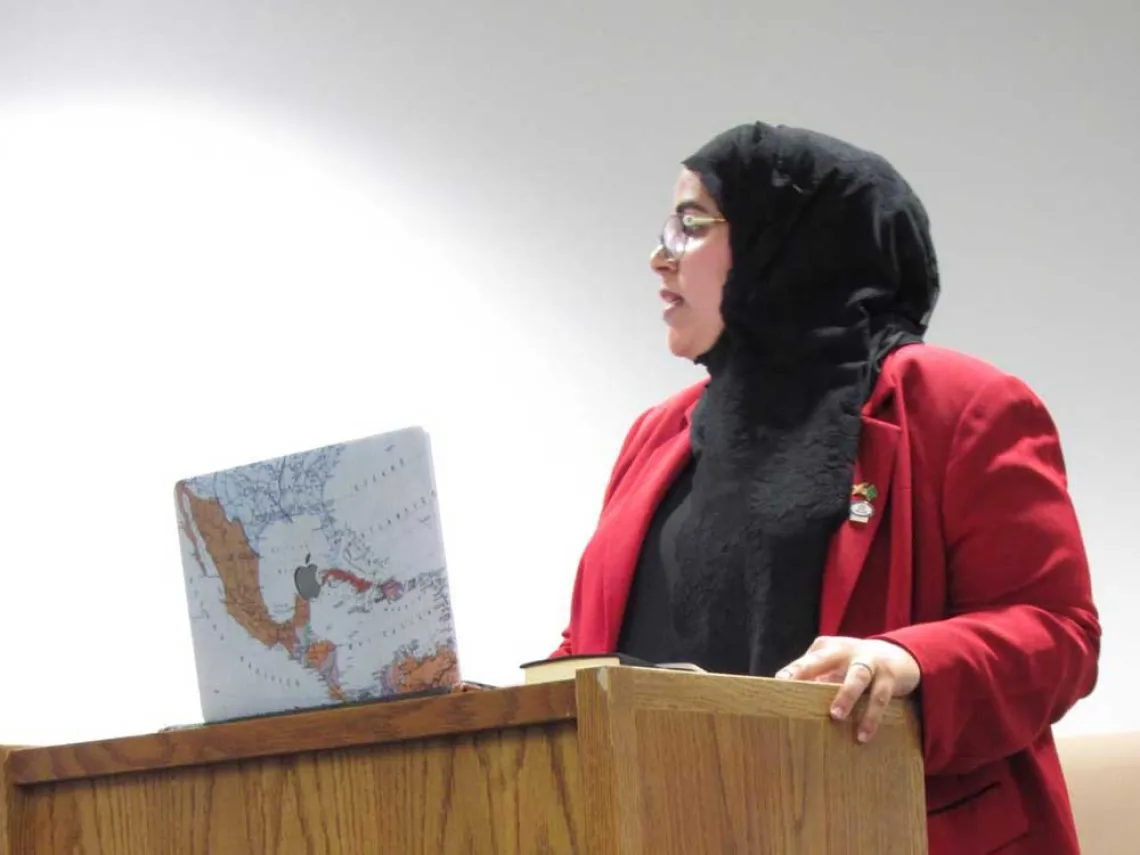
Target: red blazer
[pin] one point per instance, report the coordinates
(972, 561)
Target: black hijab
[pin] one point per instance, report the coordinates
(832, 269)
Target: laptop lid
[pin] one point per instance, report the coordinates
(317, 578)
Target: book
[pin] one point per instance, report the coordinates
(565, 667)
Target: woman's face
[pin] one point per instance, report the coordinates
(693, 265)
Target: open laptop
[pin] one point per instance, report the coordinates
(317, 579)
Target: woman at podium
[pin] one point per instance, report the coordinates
(841, 501)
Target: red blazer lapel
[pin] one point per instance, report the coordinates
(874, 471)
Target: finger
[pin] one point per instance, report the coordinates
(815, 664)
(836, 676)
(820, 642)
(800, 668)
(881, 691)
(858, 677)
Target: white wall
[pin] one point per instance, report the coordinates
(229, 230)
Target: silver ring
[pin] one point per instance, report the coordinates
(857, 664)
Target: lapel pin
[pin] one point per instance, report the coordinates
(862, 496)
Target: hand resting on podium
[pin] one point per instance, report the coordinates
(882, 669)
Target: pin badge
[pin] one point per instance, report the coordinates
(862, 495)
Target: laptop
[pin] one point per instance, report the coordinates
(318, 579)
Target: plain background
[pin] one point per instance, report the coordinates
(230, 230)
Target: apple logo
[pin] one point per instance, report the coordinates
(305, 578)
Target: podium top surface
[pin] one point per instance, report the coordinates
(460, 712)
(294, 733)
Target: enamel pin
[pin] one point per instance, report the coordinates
(862, 496)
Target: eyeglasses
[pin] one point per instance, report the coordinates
(679, 227)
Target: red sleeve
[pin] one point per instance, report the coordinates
(1021, 641)
(566, 648)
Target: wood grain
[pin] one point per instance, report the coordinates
(510, 791)
(700, 763)
(620, 761)
(663, 689)
(277, 736)
(596, 756)
(9, 796)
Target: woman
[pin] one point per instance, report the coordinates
(841, 501)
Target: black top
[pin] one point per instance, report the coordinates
(753, 618)
(648, 631)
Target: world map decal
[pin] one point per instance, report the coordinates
(317, 578)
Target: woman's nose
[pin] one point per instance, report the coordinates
(659, 259)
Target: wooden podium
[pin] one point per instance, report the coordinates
(620, 760)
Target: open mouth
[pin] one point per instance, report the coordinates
(670, 298)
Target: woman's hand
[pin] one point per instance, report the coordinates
(885, 668)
